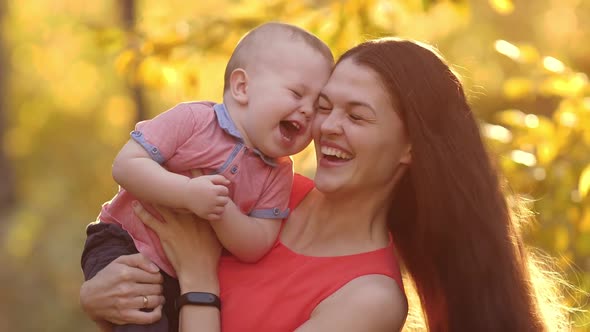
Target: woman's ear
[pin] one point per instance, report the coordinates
(406, 158)
(238, 83)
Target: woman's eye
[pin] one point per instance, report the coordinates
(324, 108)
(355, 117)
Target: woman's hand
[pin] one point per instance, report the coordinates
(190, 245)
(116, 293)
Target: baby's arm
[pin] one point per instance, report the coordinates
(247, 238)
(139, 174)
(251, 237)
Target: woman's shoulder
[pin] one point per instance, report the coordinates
(375, 302)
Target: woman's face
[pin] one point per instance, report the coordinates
(359, 138)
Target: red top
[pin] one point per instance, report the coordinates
(280, 292)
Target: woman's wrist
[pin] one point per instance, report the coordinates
(199, 281)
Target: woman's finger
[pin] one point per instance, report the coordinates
(143, 277)
(147, 290)
(148, 301)
(146, 217)
(171, 217)
(167, 213)
(138, 276)
(143, 317)
(138, 261)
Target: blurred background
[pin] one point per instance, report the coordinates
(76, 75)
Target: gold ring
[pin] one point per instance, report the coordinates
(145, 301)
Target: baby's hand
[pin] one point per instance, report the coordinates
(207, 195)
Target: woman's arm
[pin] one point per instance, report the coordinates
(194, 317)
(115, 294)
(193, 250)
(368, 303)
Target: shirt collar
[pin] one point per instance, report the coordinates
(226, 123)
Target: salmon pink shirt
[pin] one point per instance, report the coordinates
(202, 135)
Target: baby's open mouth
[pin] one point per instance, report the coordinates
(289, 129)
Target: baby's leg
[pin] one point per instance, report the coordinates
(106, 242)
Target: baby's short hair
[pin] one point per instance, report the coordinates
(267, 32)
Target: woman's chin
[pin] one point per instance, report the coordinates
(326, 183)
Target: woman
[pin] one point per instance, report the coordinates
(399, 152)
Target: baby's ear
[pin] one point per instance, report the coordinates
(238, 83)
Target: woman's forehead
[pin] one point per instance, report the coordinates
(353, 81)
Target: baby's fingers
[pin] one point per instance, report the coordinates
(219, 179)
(222, 201)
(217, 210)
(215, 213)
(213, 217)
(221, 190)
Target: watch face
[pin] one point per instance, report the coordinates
(203, 298)
(198, 298)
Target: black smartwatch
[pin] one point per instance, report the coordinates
(198, 298)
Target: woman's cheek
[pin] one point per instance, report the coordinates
(316, 123)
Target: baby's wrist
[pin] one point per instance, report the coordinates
(186, 196)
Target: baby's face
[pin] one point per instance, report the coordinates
(283, 92)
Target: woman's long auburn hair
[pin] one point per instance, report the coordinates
(452, 226)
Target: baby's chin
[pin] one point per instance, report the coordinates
(298, 148)
(280, 152)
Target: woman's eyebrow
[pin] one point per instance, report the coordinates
(353, 103)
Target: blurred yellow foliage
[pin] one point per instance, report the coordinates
(584, 182)
(78, 79)
(567, 85)
(518, 87)
(22, 235)
(503, 7)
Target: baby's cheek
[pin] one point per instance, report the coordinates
(307, 136)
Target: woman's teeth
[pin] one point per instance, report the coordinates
(328, 151)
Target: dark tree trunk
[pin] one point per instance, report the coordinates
(128, 12)
(7, 181)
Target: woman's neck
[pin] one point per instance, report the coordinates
(329, 225)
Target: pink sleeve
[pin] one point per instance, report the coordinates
(275, 199)
(162, 135)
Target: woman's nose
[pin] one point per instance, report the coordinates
(332, 124)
